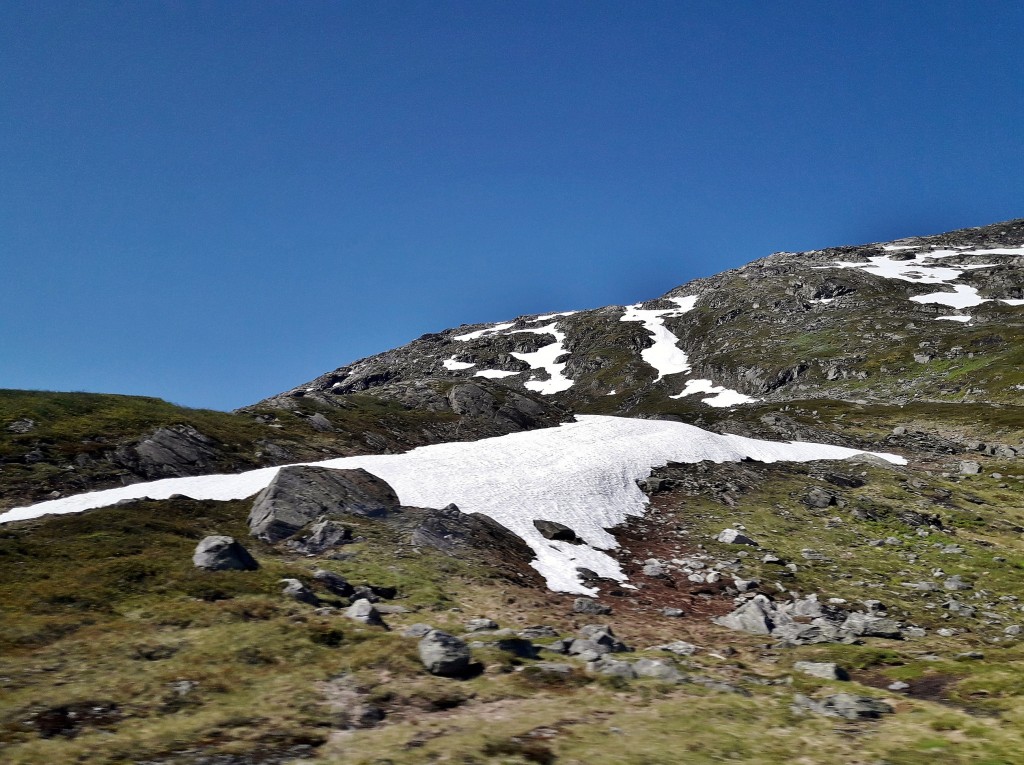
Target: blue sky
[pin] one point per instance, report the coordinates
(212, 202)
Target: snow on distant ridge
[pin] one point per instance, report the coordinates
(581, 474)
(922, 269)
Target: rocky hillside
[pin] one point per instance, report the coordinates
(627, 591)
(927, 319)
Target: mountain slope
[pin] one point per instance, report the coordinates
(813, 611)
(936, 318)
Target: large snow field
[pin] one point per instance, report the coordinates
(581, 474)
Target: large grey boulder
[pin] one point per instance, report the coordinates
(444, 655)
(301, 494)
(553, 530)
(219, 553)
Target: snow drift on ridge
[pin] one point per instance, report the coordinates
(581, 474)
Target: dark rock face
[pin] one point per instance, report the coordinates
(179, 450)
(555, 531)
(301, 494)
(220, 553)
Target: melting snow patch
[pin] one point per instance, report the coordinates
(544, 358)
(725, 397)
(482, 332)
(963, 319)
(495, 374)
(454, 365)
(664, 355)
(1013, 301)
(581, 474)
(961, 297)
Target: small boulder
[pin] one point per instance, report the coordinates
(416, 630)
(590, 606)
(734, 537)
(364, 612)
(481, 625)
(657, 669)
(826, 670)
(970, 468)
(333, 583)
(219, 553)
(444, 655)
(557, 532)
(845, 705)
(296, 590)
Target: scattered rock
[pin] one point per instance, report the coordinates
(844, 705)
(364, 612)
(970, 468)
(826, 670)
(734, 537)
(296, 590)
(590, 606)
(220, 553)
(322, 536)
(674, 613)
(679, 647)
(333, 583)
(417, 630)
(479, 625)
(444, 655)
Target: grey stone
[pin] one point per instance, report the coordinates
(479, 625)
(752, 617)
(826, 670)
(844, 705)
(590, 606)
(333, 583)
(538, 632)
(323, 535)
(301, 494)
(734, 537)
(655, 569)
(220, 553)
(970, 468)
(613, 668)
(865, 625)
(956, 584)
(679, 647)
(296, 590)
(551, 667)
(175, 451)
(364, 612)
(819, 498)
(673, 612)
(416, 630)
(444, 655)
(657, 669)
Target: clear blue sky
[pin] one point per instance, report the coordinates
(212, 202)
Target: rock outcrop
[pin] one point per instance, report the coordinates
(301, 494)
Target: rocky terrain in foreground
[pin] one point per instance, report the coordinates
(852, 611)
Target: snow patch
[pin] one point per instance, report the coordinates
(581, 474)
(664, 355)
(724, 397)
(454, 365)
(962, 296)
(481, 332)
(963, 319)
(495, 374)
(544, 358)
